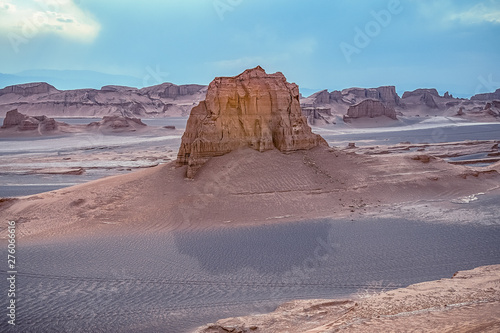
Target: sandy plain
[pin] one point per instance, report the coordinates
(399, 180)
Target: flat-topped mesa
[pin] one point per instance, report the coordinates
(253, 109)
(370, 108)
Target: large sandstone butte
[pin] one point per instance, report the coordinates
(253, 109)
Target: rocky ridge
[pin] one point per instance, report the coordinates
(254, 109)
(162, 100)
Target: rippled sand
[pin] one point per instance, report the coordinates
(174, 282)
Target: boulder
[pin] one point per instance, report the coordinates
(254, 109)
(370, 108)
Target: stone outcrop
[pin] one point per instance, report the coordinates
(253, 109)
(487, 96)
(117, 123)
(385, 94)
(22, 122)
(420, 92)
(370, 108)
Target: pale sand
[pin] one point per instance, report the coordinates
(468, 302)
(245, 187)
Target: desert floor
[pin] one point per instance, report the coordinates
(150, 251)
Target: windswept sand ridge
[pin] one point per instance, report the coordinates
(245, 187)
(467, 302)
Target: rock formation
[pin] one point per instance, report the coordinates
(314, 114)
(22, 122)
(420, 92)
(428, 100)
(28, 89)
(385, 94)
(370, 108)
(117, 123)
(253, 109)
(162, 100)
(487, 96)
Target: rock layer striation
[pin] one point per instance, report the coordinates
(253, 109)
(370, 108)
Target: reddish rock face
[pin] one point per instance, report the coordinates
(253, 109)
(370, 108)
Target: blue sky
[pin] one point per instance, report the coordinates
(319, 44)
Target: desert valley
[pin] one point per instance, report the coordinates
(279, 212)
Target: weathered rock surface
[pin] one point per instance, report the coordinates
(22, 122)
(253, 109)
(428, 100)
(317, 115)
(370, 108)
(163, 100)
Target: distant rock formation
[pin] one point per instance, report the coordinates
(428, 100)
(22, 122)
(420, 92)
(29, 89)
(385, 94)
(163, 100)
(487, 96)
(117, 123)
(314, 114)
(253, 109)
(370, 108)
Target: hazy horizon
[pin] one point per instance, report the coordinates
(451, 45)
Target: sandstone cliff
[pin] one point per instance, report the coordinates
(370, 108)
(253, 109)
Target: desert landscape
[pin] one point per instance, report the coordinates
(244, 207)
(249, 166)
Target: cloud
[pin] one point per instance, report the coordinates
(486, 11)
(32, 18)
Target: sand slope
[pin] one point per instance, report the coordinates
(243, 187)
(468, 302)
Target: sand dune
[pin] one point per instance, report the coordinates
(245, 187)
